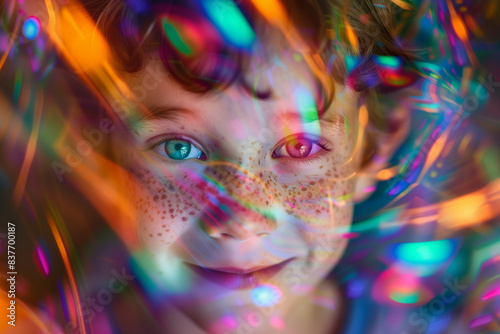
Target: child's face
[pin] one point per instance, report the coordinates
(256, 190)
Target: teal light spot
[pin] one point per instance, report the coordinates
(351, 63)
(430, 252)
(404, 298)
(434, 106)
(424, 67)
(175, 37)
(230, 22)
(388, 61)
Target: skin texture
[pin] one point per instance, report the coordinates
(242, 206)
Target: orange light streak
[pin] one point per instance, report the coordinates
(30, 151)
(67, 265)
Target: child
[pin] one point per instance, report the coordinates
(246, 155)
(246, 133)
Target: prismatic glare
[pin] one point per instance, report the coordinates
(31, 27)
(265, 295)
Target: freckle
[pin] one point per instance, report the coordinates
(155, 197)
(164, 212)
(163, 196)
(150, 235)
(162, 217)
(171, 210)
(163, 224)
(191, 213)
(184, 219)
(159, 234)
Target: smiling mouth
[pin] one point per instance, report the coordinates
(238, 278)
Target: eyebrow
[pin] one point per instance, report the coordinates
(172, 113)
(175, 113)
(329, 116)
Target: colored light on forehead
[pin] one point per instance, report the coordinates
(265, 295)
(31, 27)
(230, 22)
(429, 252)
(307, 109)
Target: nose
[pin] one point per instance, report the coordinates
(238, 204)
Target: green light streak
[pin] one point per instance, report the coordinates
(175, 37)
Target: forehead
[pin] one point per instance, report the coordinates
(273, 82)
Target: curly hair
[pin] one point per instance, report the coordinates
(327, 26)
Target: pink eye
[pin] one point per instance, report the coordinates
(299, 147)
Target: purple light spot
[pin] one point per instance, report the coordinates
(481, 321)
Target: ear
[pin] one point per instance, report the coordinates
(380, 144)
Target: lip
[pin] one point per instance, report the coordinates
(239, 278)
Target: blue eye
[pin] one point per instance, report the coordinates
(179, 149)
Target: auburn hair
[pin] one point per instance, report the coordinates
(134, 28)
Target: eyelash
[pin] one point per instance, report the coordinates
(324, 145)
(170, 161)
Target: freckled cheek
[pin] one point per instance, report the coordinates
(322, 203)
(163, 211)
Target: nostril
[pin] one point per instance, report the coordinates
(226, 236)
